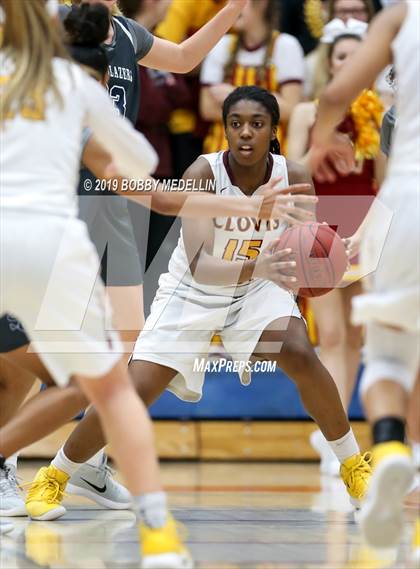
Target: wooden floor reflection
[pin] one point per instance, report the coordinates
(237, 515)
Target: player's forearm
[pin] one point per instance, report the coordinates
(205, 205)
(194, 49)
(331, 112)
(186, 204)
(209, 270)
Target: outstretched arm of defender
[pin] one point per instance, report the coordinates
(270, 203)
(184, 57)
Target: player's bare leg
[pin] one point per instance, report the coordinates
(354, 341)
(392, 359)
(297, 358)
(41, 415)
(340, 343)
(127, 314)
(329, 315)
(127, 428)
(385, 398)
(150, 381)
(15, 385)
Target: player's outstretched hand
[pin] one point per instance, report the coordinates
(331, 158)
(276, 266)
(286, 203)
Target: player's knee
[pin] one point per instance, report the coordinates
(354, 337)
(331, 336)
(77, 397)
(387, 369)
(390, 355)
(296, 359)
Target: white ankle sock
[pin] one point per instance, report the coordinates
(151, 508)
(345, 447)
(97, 459)
(63, 463)
(12, 460)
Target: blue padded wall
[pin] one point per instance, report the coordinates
(270, 396)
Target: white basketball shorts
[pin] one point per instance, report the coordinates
(49, 281)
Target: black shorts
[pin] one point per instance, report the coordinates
(113, 226)
(12, 334)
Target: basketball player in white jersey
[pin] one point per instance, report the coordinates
(390, 307)
(223, 277)
(49, 267)
(197, 206)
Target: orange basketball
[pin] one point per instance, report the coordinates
(320, 257)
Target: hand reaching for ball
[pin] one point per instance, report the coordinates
(332, 158)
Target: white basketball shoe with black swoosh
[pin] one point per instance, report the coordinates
(97, 484)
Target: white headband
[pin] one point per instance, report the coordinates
(52, 8)
(337, 28)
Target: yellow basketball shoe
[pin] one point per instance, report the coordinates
(381, 516)
(45, 494)
(162, 548)
(355, 473)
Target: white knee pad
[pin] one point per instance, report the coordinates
(392, 355)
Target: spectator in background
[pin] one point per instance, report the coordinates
(256, 54)
(183, 19)
(345, 204)
(161, 93)
(316, 74)
(303, 19)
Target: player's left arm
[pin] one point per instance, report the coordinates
(184, 57)
(374, 54)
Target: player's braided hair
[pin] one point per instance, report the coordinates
(259, 95)
(87, 28)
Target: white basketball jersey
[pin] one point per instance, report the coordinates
(235, 238)
(40, 148)
(405, 156)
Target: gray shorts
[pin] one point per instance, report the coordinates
(119, 232)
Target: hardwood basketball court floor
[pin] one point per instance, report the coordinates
(236, 515)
